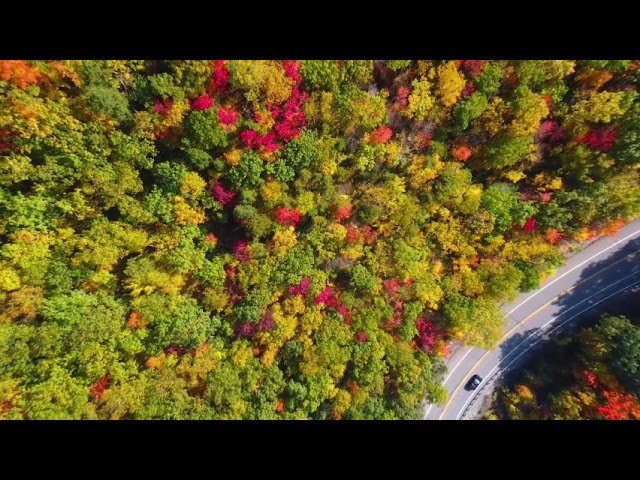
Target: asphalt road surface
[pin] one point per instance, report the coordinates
(594, 276)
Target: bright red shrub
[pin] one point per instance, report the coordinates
(291, 68)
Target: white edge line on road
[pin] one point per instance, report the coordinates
(550, 332)
(558, 316)
(572, 269)
(449, 376)
(529, 298)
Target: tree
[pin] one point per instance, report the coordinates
(450, 84)
(420, 101)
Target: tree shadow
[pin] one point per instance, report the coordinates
(602, 287)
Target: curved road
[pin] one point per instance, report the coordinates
(604, 269)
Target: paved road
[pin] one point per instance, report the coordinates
(601, 271)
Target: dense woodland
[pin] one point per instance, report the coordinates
(591, 375)
(287, 239)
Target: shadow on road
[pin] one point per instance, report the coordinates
(585, 303)
(602, 287)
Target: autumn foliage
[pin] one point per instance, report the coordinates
(294, 239)
(19, 72)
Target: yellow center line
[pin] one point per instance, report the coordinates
(457, 389)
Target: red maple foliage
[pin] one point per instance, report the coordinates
(19, 72)
(402, 97)
(342, 213)
(381, 135)
(549, 101)
(175, 350)
(590, 378)
(291, 70)
(472, 67)
(423, 140)
(391, 286)
(546, 197)
(203, 102)
(98, 388)
(469, 88)
(292, 117)
(245, 329)
(344, 311)
(302, 288)
(226, 198)
(267, 323)
(601, 138)
(361, 337)
(369, 234)
(619, 406)
(284, 216)
(426, 334)
(162, 106)
(227, 116)
(252, 139)
(529, 225)
(220, 78)
(353, 235)
(242, 251)
(211, 238)
(553, 236)
(550, 131)
(462, 153)
(280, 406)
(326, 297)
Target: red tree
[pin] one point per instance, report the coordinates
(227, 116)
(203, 102)
(529, 225)
(381, 135)
(226, 198)
(462, 153)
(98, 388)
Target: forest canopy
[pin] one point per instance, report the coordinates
(287, 239)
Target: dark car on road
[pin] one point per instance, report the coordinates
(474, 382)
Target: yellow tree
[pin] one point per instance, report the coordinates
(450, 84)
